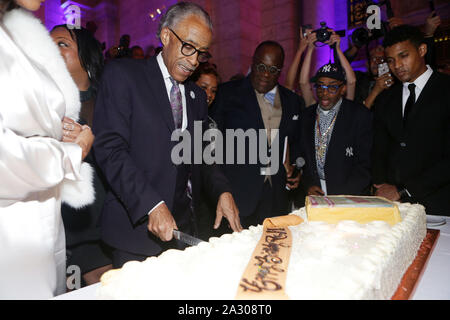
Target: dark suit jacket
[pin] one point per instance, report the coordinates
(416, 156)
(133, 124)
(236, 107)
(347, 163)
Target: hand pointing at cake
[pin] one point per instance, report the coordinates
(226, 207)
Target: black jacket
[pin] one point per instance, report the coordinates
(347, 162)
(417, 156)
(133, 125)
(236, 107)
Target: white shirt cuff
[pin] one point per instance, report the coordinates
(155, 207)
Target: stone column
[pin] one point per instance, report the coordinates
(241, 25)
(313, 12)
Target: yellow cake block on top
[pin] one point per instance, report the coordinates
(333, 209)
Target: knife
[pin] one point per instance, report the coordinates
(184, 237)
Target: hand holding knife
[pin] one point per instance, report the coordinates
(161, 223)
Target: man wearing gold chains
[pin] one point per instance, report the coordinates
(336, 139)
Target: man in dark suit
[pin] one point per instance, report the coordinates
(336, 139)
(139, 106)
(411, 160)
(257, 104)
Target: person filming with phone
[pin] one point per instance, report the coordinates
(379, 75)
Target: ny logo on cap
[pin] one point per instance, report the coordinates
(326, 68)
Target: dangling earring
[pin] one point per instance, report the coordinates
(89, 74)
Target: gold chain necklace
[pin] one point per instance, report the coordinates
(322, 147)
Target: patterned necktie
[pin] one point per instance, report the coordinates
(176, 104)
(410, 102)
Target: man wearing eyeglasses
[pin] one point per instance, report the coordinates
(258, 102)
(336, 139)
(139, 105)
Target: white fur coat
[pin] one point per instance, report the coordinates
(37, 170)
(34, 40)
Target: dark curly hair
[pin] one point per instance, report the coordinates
(403, 33)
(89, 52)
(205, 68)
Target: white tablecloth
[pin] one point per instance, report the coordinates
(433, 285)
(435, 281)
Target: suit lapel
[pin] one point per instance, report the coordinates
(310, 134)
(251, 102)
(335, 144)
(190, 105)
(394, 114)
(284, 114)
(159, 92)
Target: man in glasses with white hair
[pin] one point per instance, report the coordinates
(336, 139)
(256, 103)
(140, 104)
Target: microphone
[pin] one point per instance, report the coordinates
(298, 165)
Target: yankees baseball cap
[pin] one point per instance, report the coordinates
(330, 70)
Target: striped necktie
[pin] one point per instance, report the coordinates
(270, 96)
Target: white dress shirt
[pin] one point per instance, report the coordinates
(420, 83)
(168, 83)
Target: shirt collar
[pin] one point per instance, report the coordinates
(421, 81)
(162, 66)
(274, 91)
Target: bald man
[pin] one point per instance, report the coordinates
(253, 103)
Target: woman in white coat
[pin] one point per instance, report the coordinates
(37, 169)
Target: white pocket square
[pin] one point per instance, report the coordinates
(295, 117)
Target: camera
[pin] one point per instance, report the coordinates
(323, 35)
(363, 36)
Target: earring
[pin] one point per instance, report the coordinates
(89, 74)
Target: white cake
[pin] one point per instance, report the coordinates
(346, 260)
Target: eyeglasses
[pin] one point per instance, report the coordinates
(262, 68)
(189, 50)
(333, 88)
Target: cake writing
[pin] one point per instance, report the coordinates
(269, 262)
